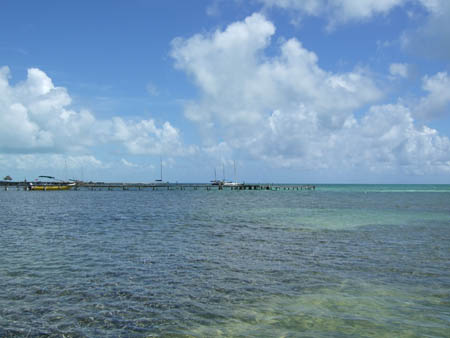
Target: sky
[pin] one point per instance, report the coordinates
(283, 91)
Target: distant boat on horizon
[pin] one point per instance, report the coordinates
(215, 181)
(234, 183)
(160, 180)
(224, 182)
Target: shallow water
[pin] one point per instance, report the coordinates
(338, 261)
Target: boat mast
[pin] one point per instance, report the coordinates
(160, 164)
(66, 176)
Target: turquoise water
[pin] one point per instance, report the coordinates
(344, 260)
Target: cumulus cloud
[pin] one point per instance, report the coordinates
(145, 138)
(241, 86)
(35, 116)
(437, 103)
(288, 111)
(385, 139)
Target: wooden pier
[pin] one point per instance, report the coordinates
(95, 186)
(191, 186)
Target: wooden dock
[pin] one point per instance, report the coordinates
(95, 186)
(191, 186)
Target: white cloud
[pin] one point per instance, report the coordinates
(35, 117)
(399, 70)
(145, 138)
(338, 11)
(389, 138)
(128, 164)
(288, 111)
(385, 139)
(241, 86)
(221, 152)
(56, 162)
(430, 38)
(437, 103)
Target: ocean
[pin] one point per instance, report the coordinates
(340, 261)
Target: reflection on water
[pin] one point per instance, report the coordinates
(232, 263)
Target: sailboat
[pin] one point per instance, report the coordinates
(232, 184)
(215, 181)
(160, 180)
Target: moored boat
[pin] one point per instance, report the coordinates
(232, 184)
(50, 185)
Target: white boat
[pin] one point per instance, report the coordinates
(232, 184)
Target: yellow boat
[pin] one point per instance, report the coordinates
(53, 185)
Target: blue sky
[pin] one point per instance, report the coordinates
(291, 91)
